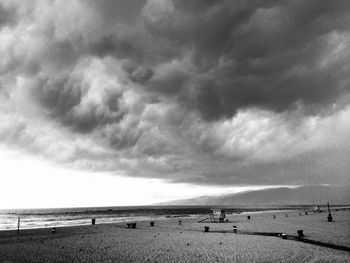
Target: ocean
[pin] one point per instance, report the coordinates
(46, 218)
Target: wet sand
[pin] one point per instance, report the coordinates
(168, 241)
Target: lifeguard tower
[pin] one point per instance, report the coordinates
(217, 215)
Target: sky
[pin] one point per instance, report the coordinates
(135, 102)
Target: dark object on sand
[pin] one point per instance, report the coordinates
(131, 225)
(180, 222)
(234, 229)
(305, 213)
(152, 223)
(53, 230)
(248, 217)
(93, 221)
(329, 218)
(300, 233)
(206, 229)
(18, 224)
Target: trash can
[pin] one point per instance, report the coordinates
(234, 229)
(300, 233)
(329, 218)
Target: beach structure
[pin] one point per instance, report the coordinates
(217, 215)
(316, 209)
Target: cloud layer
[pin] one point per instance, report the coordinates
(207, 92)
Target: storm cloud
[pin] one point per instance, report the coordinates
(205, 92)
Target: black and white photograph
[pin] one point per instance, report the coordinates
(174, 131)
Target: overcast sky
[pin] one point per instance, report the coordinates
(200, 93)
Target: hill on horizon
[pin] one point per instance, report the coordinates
(303, 195)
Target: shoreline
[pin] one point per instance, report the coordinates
(108, 219)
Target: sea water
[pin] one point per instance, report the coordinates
(43, 218)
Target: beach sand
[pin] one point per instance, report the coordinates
(168, 241)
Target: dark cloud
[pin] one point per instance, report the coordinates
(58, 95)
(61, 99)
(8, 15)
(137, 73)
(200, 91)
(264, 54)
(123, 47)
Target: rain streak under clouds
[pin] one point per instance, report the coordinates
(204, 92)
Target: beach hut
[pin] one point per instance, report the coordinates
(316, 209)
(217, 215)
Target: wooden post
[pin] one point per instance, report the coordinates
(329, 218)
(18, 224)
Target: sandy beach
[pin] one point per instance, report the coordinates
(168, 241)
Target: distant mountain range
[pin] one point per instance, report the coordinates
(303, 195)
